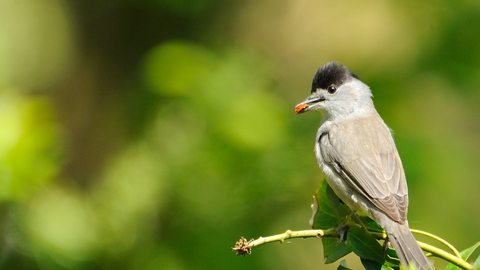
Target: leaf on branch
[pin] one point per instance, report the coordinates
(323, 215)
(370, 265)
(323, 202)
(370, 224)
(469, 251)
(332, 250)
(365, 246)
(343, 266)
(328, 212)
(334, 202)
(477, 263)
(391, 259)
(465, 256)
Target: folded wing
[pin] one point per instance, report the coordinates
(364, 154)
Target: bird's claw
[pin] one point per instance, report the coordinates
(343, 229)
(386, 243)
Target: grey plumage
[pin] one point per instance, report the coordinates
(356, 151)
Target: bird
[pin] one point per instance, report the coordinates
(356, 151)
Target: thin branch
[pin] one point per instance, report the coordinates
(440, 240)
(446, 256)
(244, 247)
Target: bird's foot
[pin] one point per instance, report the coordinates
(343, 230)
(386, 243)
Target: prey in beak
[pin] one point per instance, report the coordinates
(308, 104)
(301, 108)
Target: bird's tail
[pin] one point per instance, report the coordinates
(407, 248)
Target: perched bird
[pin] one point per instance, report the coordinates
(355, 149)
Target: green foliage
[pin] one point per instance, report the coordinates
(333, 250)
(371, 265)
(477, 263)
(330, 212)
(365, 246)
(343, 266)
(466, 256)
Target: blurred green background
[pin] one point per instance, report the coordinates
(153, 134)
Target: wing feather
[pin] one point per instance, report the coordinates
(364, 154)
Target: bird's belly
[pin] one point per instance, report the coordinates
(355, 201)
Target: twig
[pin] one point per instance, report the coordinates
(446, 256)
(244, 247)
(440, 240)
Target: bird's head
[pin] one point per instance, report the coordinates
(337, 92)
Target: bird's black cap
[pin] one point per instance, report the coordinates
(331, 73)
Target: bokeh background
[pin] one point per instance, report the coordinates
(152, 134)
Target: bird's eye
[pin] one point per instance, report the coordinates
(332, 89)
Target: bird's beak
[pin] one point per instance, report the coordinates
(307, 104)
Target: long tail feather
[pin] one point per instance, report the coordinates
(407, 248)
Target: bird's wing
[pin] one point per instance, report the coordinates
(364, 154)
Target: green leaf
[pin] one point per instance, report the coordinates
(340, 209)
(343, 266)
(477, 263)
(322, 197)
(334, 202)
(330, 212)
(370, 224)
(325, 217)
(332, 250)
(392, 258)
(469, 251)
(392, 253)
(465, 255)
(371, 265)
(324, 221)
(364, 245)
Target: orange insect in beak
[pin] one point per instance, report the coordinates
(300, 108)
